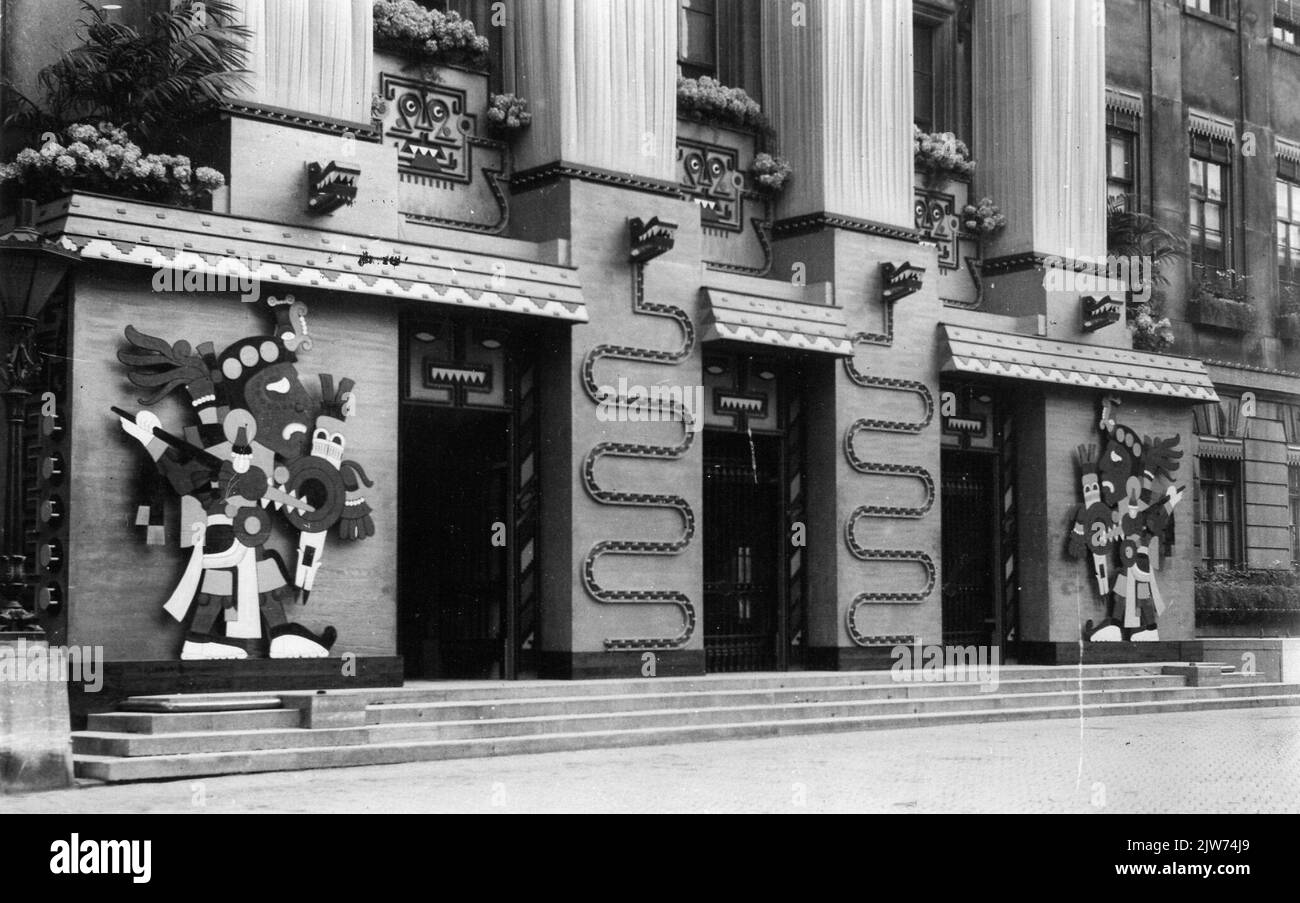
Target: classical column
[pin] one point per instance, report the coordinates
(601, 79)
(838, 90)
(1039, 86)
(311, 57)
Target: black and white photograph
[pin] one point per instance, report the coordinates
(630, 407)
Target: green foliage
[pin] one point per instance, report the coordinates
(708, 100)
(941, 155)
(1246, 597)
(102, 158)
(771, 173)
(1136, 235)
(184, 63)
(429, 35)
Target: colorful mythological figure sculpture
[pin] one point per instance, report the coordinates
(263, 444)
(1128, 505)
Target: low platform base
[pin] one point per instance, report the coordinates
(125, 679)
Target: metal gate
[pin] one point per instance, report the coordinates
(971, 525)
(742, 551)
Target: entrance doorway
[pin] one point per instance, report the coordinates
(754, 493)
(742, 551)
(469, 499)
(455, 578)
(970, 549)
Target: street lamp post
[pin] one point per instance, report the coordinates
(31, 270)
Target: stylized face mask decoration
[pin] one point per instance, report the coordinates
(283, 409)
(1119, 469)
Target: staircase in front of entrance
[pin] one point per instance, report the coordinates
(191, 735)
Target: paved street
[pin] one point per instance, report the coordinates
(1206, 762)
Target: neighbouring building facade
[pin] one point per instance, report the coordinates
(610, 395)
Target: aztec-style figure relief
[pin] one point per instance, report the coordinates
(1128, 504)
(263, 444)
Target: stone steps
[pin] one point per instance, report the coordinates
(399, 712)
(172, 767)
(158, 738)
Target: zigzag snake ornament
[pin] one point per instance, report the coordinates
(870, 468)
(641, 500)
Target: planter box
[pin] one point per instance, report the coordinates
(1220, 313)
(436, 123)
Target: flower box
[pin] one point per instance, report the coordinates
(1222, 313)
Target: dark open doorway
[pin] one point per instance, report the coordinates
(455, 564)
(970, 549)
(469, 553)
(742, 551)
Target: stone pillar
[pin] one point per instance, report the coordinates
(601, 79)
(35, 725)
(1268, 533)
(838, 91)
(1040, 86)
(1040, 102)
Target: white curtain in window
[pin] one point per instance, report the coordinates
(601, 77)
(838, 88)
(312, 56)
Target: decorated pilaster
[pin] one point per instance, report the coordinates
(601, 78)
(838, 89)
(1039, 88)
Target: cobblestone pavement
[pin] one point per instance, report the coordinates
(1241, 761)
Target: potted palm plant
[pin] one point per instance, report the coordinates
(1138, 238)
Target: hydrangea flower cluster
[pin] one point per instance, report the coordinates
(508, 112)
(941, 154)
(709, 100)
(772, 172)
(406, 27)
(1151, 334)
(984, 218)
(103, 158)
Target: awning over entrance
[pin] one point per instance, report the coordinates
(996, 354)
(281, 256)
(737, 317)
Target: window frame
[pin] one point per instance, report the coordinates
(1232, 484)
(700, 67)
(952, 98)
(1293, 506)
(1132, 138)
(1218, 9)
(1290, 273)
(1197, 231)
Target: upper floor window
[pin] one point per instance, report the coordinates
(923, 83)
(721, 39)
(941, 69)
(1288, 230)
(1220, 8)
(1121, 169)
(1209, 213)
(698, 38)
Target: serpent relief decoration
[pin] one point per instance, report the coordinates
(900, 471)
(649, 240)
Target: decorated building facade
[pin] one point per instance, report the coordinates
(653, 384)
